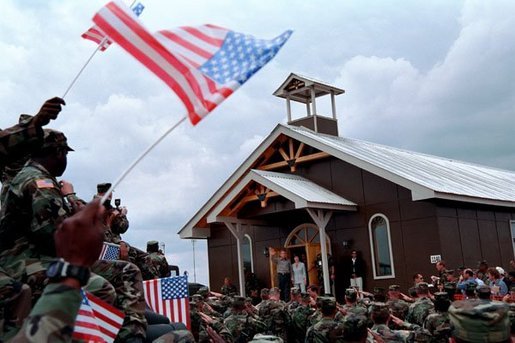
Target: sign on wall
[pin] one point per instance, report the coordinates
(436, 258)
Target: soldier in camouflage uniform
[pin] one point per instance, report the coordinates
(240, 324)
(380, 315)
(157, 260)
(299, 322)
(35, 205)
(295, 299)
(274, 314)
(438, 324)
(480, 320)
(228, 288)
(327, 329)
(398, 307)
(422, 307)
(351, 306)
(265, 295)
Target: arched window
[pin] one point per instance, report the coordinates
(246, 251)
(381, 247)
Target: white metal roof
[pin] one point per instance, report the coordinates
(303, 188)
(441, 175)
(299, 190)
(424, 175)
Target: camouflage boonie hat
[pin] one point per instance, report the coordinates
(394, 288)
(475, 320)
(54, 139)
(295, 290)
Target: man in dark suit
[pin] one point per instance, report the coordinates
(356, 269)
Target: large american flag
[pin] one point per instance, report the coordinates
(169, 297)
(97, 321)
(96, 35)
(203, 65)
(110, 251)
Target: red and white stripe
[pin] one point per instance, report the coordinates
(177, 68)
(99, 322)
(96, 35)
(177, 310)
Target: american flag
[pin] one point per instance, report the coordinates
(97, 321)
(96, 35)
(169, 297)
(203, 65)
(110, 251)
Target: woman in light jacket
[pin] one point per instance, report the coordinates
(299, 274)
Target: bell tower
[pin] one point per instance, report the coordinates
(305, 90)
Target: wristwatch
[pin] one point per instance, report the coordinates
(61, 269)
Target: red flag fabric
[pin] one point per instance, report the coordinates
(203, 65)
(97, 321)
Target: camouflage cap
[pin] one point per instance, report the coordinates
(327, 302)
(103, 187)
(54, 139)
(483, 289)
(441, 296)
(378, 308)
(476, 320)
(422, 287)
(351, 293)
(265, 291)
(203, 291)
(295, 291)
(394, 288)
(238, 301)
(305, 296)
(152, 243)
(197, 297)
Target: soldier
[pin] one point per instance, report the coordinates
(265, 296)
(381, 316)
(355, 329)
(275, 315)
(351, 305)
(438, 324)
(300, 317)
(115, 218)
(480, 320)
(295, 299)
(228, 288)
(157, 260)
(398, 307)
(240, 324)
(422, 307)
(327, 329)
(27, 229)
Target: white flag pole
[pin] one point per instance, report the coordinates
(100, 45)
(145, 153)
(84, 66)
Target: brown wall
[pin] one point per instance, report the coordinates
(461, 234)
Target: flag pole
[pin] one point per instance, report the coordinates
(84, 66)
(145, 153)
(100, 45)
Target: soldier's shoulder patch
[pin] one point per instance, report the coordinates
(44, 183)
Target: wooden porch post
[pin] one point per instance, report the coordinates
(237, 232)
(321, 218)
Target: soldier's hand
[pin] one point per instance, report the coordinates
(48, 111)
(66, 187)
(214, 336)
(79, 238)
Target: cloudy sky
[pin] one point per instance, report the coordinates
(430, 76)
